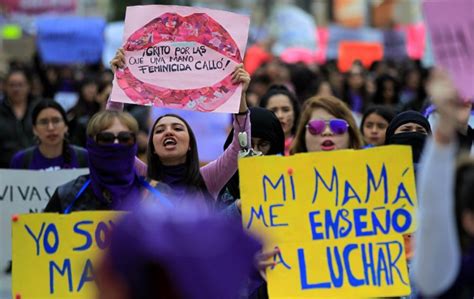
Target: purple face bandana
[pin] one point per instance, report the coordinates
(112, 171)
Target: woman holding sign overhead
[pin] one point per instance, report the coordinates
(172, 149)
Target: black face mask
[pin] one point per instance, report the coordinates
(414, 139)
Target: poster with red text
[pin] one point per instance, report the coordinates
(181, 57)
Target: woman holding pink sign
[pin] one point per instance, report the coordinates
(172, 149)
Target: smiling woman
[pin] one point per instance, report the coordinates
(53, 150)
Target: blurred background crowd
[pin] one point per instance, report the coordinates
(295, 44)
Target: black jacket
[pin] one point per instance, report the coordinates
(465, 141)
(15, 134)
(65, 195)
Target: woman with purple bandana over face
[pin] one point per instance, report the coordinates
(113, 179)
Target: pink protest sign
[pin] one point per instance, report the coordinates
(450, 24)
(181, 57)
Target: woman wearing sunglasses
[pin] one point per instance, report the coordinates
(53, 151)
(326, 124)
(114, 178)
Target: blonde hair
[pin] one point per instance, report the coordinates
(104, 119)
(333, 106)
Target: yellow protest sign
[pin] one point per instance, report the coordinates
(54, 255)
(337, 218)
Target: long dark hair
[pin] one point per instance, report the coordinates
(383, 111)
(193, 177)
(283, 90)
(82, 106)
(378, 97)
(362, 91)
(45, 104)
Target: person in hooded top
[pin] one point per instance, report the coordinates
(267, 138)
(114, 176)
(284, 104)
(158, 253)
(409, 128)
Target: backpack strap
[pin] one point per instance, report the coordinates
(28, 157)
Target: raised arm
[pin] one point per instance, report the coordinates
(438, 254)
(217, 173)
(117, 62)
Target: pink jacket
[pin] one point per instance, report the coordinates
(218, 172)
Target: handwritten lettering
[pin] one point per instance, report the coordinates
(379, 269)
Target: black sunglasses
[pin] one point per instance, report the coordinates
(125, 138)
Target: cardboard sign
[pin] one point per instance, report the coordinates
(182, 58)
(25, 191)
(366, 52)
(450, 24)
(337, 218)
(54, 255)
(64, 40)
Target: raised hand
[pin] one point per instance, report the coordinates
(263, 260)
(118, 61)
(452, 111)
(240, 75)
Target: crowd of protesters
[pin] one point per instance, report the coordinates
(285, 109)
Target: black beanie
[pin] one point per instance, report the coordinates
(404, 118)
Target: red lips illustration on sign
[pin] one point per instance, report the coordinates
(171, 28)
